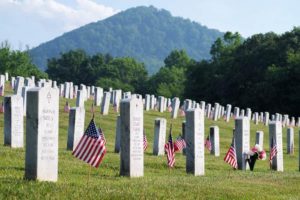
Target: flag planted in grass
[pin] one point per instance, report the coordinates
(230, 157)
(208, 143)
(91, 147)
(145, 142)
(67, 107)
(179, 144)
(273, 151)
(2, 107)
(102, 135)
(169, 148)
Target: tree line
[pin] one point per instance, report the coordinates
(261, 72)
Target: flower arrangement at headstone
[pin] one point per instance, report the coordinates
(256, 153)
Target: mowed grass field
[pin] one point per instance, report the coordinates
(219, 182)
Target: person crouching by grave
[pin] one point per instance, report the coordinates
(67, 107)
(255, 153)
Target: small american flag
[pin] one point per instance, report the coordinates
(208, 143)
(2, 108)
(169, 148)
(273, 151)
(145, 142)
(67, 107)
(230, 157)
(170, 108)
(102, 135)
(181, 112)
(91, 147)
(179, 144)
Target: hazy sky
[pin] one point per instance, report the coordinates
(31, 22)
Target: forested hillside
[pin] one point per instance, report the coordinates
(144, 33)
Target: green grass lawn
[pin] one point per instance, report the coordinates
(219, 182)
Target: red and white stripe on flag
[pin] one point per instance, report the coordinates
(90, 150)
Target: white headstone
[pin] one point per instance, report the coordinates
(6, 76)
(12, 82)
(24, 96)
(41, 155)
(266, 119)
(208, 110)
(67, 90)
(175, 107)
(195, 162)
(259, 139)
(105, 103)
(248, 113)
(161, 103)
(275, 131)
(13, 121)
(71, 92)
(147, 102)
(228, 111)
(80, 99)
(76, 126)
(216, 110)
(256, 119)
(236, 112)
(152, 102)
(98, 96)
(242, 141)
(187, 104)
(61, 90)
(19, 85)
(132, 151)
(215, 140)
(160, 127)
(290, 140)
(202, 105)
(88, 91)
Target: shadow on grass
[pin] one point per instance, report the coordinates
(13, 168)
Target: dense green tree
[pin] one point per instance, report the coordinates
(101, 70)
(168, 82)
(17, 63)
(127, 73)
(177, 58)
(260, 72)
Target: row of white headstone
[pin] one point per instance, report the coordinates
(42, 131)
(103, 99)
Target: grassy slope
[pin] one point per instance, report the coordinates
(219, 182)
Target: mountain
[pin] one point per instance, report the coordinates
(147, 34)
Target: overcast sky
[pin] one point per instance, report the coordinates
(31, 22)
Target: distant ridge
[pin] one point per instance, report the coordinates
(147, 34)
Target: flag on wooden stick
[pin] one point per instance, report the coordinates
(230, 157)
(273, 150)
(169, 148)
(67, 107)
(179, 144)
(208, 143)
(2, 107)
(145, 142)
(91, 147)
